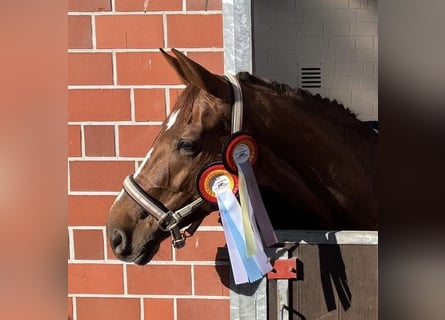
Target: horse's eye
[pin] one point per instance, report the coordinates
(187, 146)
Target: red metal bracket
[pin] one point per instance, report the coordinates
(283, 269)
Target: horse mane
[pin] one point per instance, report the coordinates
(336, 112)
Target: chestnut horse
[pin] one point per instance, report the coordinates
(316, 165)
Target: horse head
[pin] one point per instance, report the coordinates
(161, 196)
(316, 161)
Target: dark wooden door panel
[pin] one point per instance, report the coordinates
(338, 282)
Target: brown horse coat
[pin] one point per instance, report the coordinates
(316, 163)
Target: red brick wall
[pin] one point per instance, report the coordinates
(120, 91)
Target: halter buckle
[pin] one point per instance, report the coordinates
(178, 238)
(169, 222)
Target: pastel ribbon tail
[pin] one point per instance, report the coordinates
(244, 268)
(246, 216)
(245, 172)
(261, 258)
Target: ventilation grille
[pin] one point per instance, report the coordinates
(310, 77)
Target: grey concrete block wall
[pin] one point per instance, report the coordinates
(340, 36)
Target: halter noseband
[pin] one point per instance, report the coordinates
(169, 220)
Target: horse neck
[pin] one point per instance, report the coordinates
(291, 125)
(302, 148)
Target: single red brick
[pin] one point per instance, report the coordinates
(202, 246)
(95, 278)
(195, 308)
(153, 5)
(159, 279)
(99, 105)
(88, 210)
(165, 252)
(89, 5)
(158, 309)
(88, 244)
(202, 31)
(90, 68)
(193, 5)
(99, 175)
(129, 31)
(212, 61)
(149, 104)
(108, 308)
(74, 144)
(99, 141)
(79, 32)
(135, 141)
(144, 68)
(212, 280)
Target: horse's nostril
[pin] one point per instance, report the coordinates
(119, 241)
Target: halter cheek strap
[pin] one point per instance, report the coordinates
(169, 220)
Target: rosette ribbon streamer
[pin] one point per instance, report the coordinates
(219, 186)
(252, 203)
(245, 268)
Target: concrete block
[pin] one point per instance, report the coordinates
(341, 43)
(261, 57)
(340, 82)
(310, 29)
(336, 29)
(364, 42)
(354, 4)
(367, 15)
(364, 56)
(308, 56)
(315, 43)
(308, 4)
(264, 43)
(355, 82)
(343, 15)
(370, 69)
(283, 30)
(348, 69)
(364, 29)
(273, 71)
(283, 57)
(288, 43)
(365, 95)
(369, 4)
(369, 82)
(341, 56)
(262, 30)
(335, 3)
(315, 15)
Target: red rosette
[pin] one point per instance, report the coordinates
(210, 176)
(242, 145)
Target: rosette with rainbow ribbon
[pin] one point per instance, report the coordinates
(246, 223)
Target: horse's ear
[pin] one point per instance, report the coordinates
(192, 72)
(174, 63)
